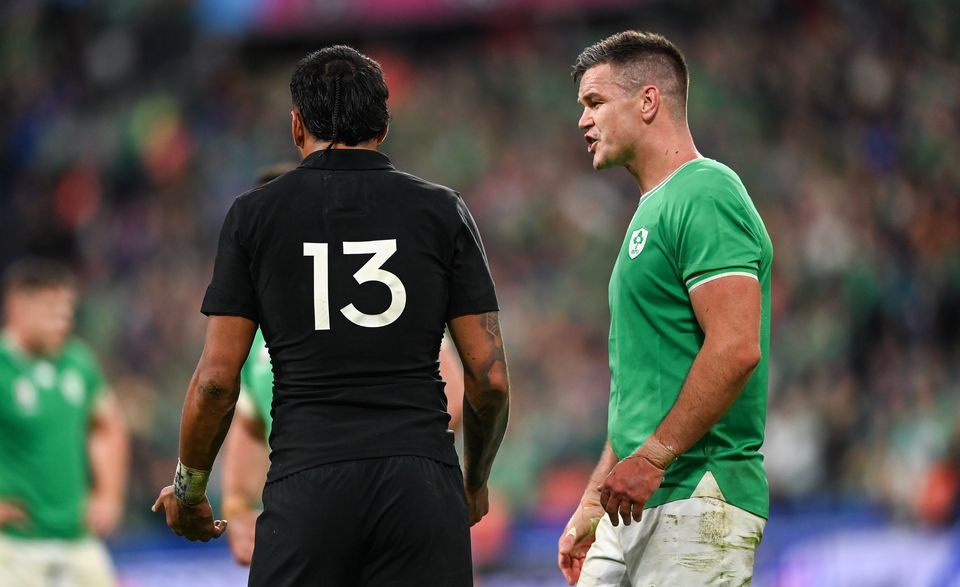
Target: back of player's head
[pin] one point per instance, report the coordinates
(31, 274)
(641, 58)
(341, 95)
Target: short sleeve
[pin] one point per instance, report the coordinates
(84, 375)
(231, 291)
(96, 381)
(471, 285)
(715, 239)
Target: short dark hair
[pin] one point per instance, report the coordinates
(643, 56)
(34, 274)
(341, 95)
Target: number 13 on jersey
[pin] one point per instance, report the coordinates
(371, 271)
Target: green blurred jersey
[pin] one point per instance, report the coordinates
(45, 412)
(256, 382)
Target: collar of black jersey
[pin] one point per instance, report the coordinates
(347, 159)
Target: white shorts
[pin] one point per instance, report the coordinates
(55, 563)
(687, 543)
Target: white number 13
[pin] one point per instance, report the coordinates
(371, 271)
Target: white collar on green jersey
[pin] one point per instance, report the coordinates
(11, 346)
(20, 354)
(656, 188)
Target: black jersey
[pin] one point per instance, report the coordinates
(352, 270)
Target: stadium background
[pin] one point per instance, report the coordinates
(126, 128)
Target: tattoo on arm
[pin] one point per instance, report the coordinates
(486, 401)
(493, 327)
(495, 360)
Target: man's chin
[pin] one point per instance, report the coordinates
(599, 163)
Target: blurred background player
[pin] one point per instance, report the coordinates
(63, 441)
(246, 452)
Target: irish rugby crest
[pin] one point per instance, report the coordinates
(637, 241)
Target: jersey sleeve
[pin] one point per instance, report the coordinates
(249, 382)
(471, 284)
(231, 291)
(90, 371)
(715, 238)
(98, 383)
(256, 384)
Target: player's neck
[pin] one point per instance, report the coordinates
(310, 147)
(20, 343)
(655, 163)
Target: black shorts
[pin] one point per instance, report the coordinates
(387, 522)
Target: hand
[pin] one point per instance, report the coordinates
(578, 535)
(192, 522)
(103, 514)
(243, 526)
(628, 487)
(478, 503)
(12, 515)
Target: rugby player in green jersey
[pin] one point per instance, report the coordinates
(689, 337)
(63, 443)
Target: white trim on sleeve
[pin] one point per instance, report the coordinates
(718, 276)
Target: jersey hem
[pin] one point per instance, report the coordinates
(653, 503)
(459, 312)
(45, 537)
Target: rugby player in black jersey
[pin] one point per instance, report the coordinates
(352, 269)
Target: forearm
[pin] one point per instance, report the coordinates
(484, 425)
(207, 413)
(486, 393)
(109, 452)
(716, 378)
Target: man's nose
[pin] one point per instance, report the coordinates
(586, 121)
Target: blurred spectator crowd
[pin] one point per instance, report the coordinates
(126, 130)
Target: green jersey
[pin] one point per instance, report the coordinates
(698, 225)
(45, 412)
(256, 382)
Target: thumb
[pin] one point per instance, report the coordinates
(219, 527)
(157, 506)
(568, 541)
(18, 515)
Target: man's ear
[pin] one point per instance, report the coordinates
(383, 134)
(649, 97)
(296, 129)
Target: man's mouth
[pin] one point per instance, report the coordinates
(591, 143)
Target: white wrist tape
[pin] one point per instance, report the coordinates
(190, 485)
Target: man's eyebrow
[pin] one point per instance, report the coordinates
(589, 96)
